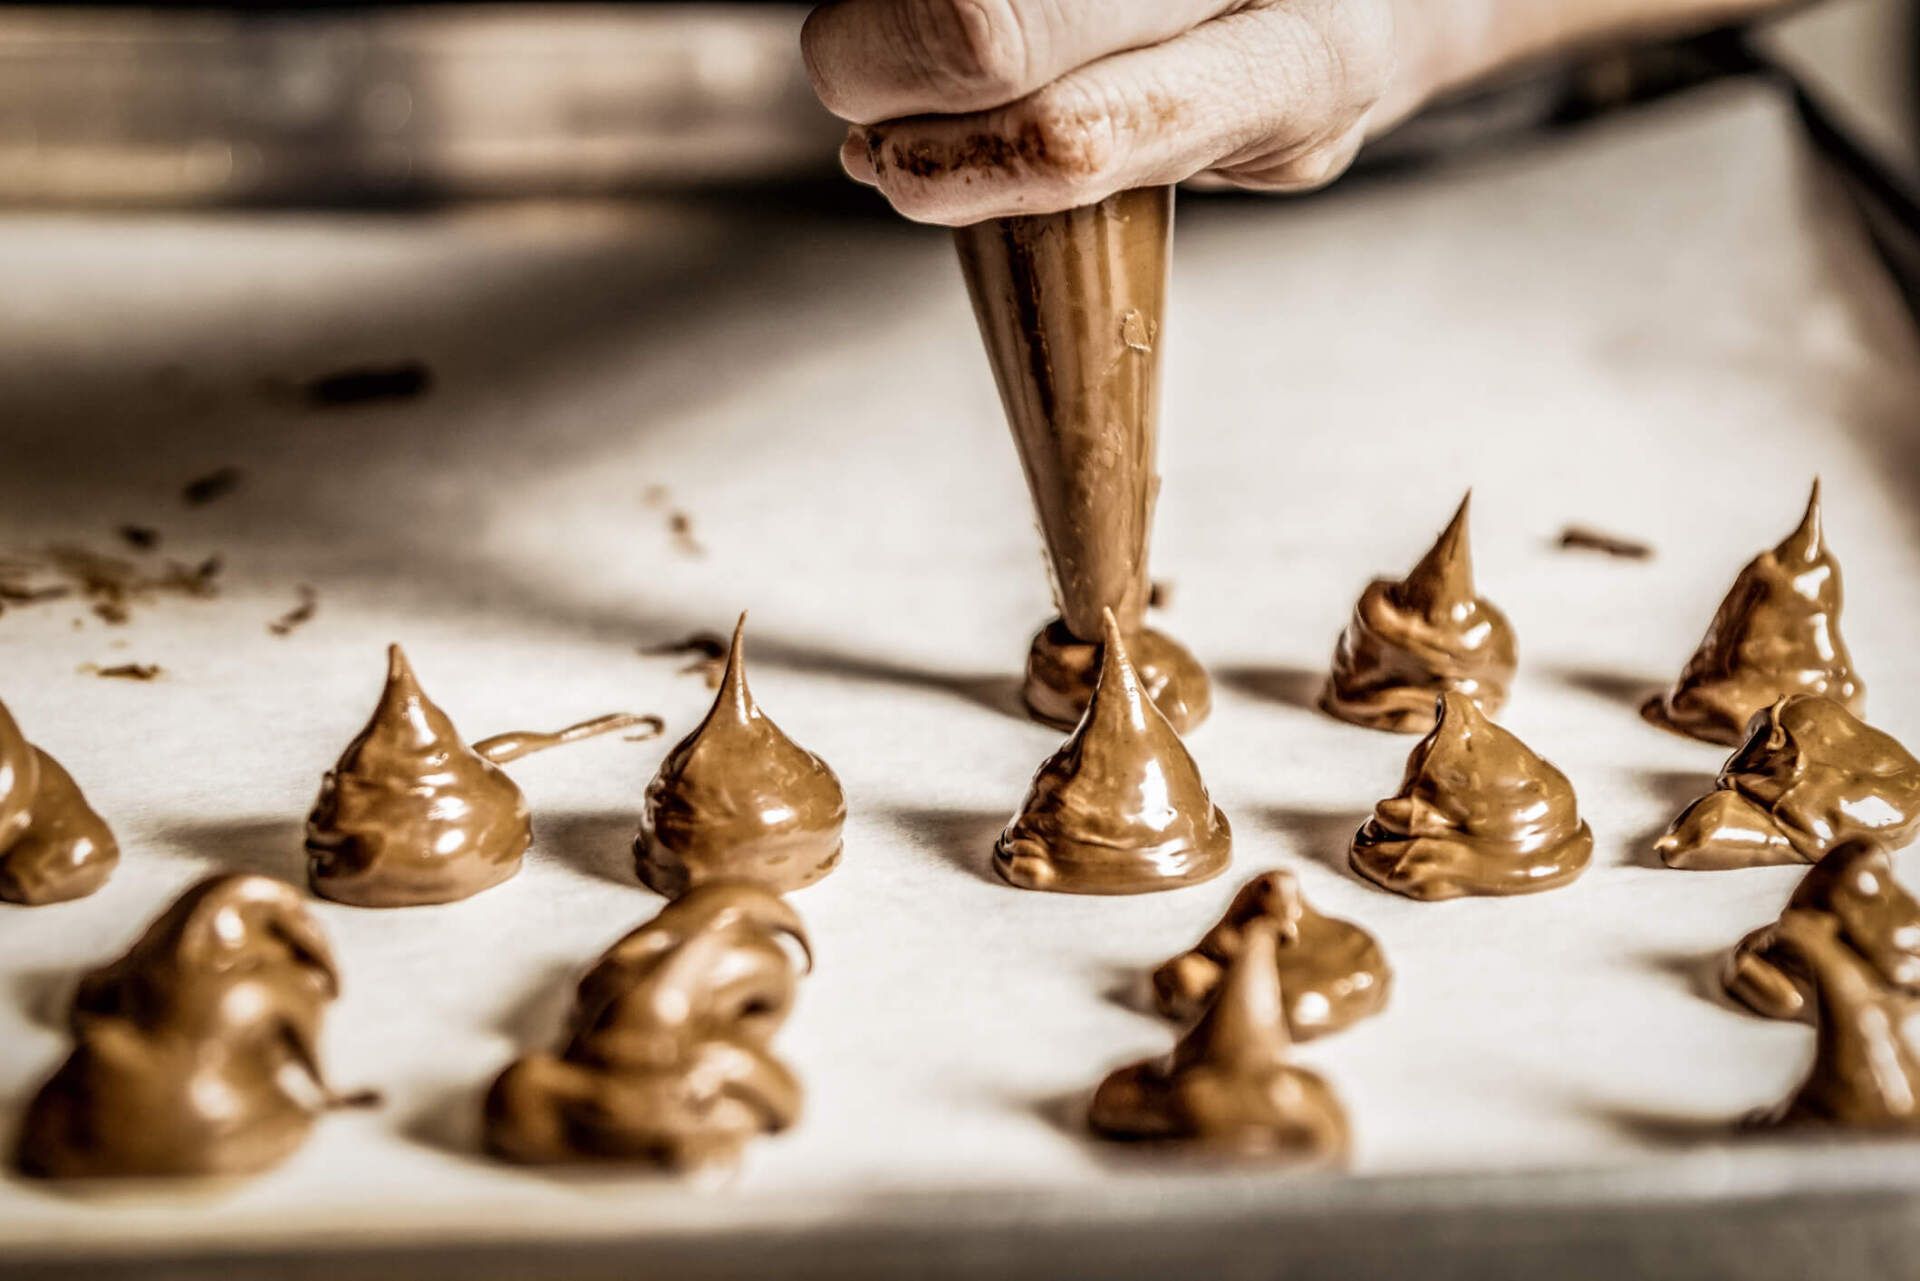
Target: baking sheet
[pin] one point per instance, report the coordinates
(1662, 326)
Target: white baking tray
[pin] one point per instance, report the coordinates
(1661, 326)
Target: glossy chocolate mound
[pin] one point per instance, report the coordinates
(667, 1059)
(1865, 1073)
(1416, 638)
(1071, 307)
(1332, 972)
(1776, 633)
(1477, 813)
(53, 847)
(412, 815)
(1227, 1087)
(737, 800)
(196, 1053)
(1877, 918)
(1120, 808)
(1809, 776)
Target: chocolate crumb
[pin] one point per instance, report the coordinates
(680, 525)
(111, 612)
(300, 614)
(655, 495)
(402, 380)
(1160, 594)
(211, 487)
(139, 537)
(1583, 538)
(124, 671)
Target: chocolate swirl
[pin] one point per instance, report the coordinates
(1776, 633)
(412, 815)
(737, 800)
(1332, 972)
(1477, 813)
(1865, 1073)
(53, 847)
(1809, 776)
(1413, 639)
(1876, 916)
(667, 1059)
(1120, 808)
(197, 1053)
(1227, 1087)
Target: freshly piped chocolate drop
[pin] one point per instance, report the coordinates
(667, 1059)
(1877, 918)
(197, 1053)
(1071, 307)
(1809, 776)
(1228, 1087)
(53, 847)
(1777, 633)
(1332, 972)
(412, 815)
(1413, 639)
(737, 800)
(1477, 813)
(1865, 1073)
(1120, 808)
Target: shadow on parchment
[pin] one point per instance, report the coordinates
(264, 846)
(1321, 835)
(1279, 683)
(1628, 691)
(45, 995)
(963, 838)
(1667, 1130)
(596, 845)
(1697, 972)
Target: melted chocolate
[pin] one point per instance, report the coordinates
(1865, 1074)
(1120, 808)
(737, 800)
(1776, 633)
(197, 1053)
(1809, 776)
(666, 1060)
(1227, 1086)
(1071, 307)
(1877, 918)
(413, 815)
(1413, 639)
(1332, 972)
(1477, 813)
(53, 847)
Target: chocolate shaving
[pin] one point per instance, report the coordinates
(711, 651)
(1159, 594)
(110, 585)
(299, 615)
(211, 487)
(680, 525)
(345, 388)
(139, 537)
(1585, 538)
(124, 671)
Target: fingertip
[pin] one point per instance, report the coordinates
(856, 156)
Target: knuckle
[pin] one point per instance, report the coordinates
(971, 50)
(1070, 134)
(1359, 47)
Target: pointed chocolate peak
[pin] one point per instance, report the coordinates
(1118, 698)
(1245, 1029)
(1443, 580)
(734, 694)
(406, 717)
(1457, 717)
(1806, 544)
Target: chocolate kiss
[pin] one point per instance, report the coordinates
(53, 847)
(1244, 1031)
(1775, 633)
(1478, 812)
(739, 800)
(412, 814)
(1120, 808)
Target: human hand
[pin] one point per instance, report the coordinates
(970, 109)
